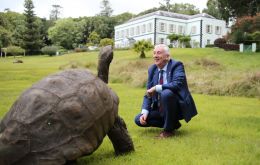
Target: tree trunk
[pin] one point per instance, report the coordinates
(142, 55)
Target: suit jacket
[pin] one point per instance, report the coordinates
(177, 83)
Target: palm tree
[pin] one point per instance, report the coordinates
(142, 46)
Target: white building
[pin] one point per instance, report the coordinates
(155, 27)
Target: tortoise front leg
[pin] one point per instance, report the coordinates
(120, 138)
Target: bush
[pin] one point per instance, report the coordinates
(106, 41)
(230, 47)
(50, 50)
(14, 50)
(82, 49)
(218, 42)
(210, 46)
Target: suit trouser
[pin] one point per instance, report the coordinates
(168, 118)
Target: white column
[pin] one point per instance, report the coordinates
(253, 47)
(241, 47)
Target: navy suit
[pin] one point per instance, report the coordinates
(176, 99)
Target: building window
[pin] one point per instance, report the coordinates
(172, 28)
(127, 33)
(132, 31)
(218, 30)
(161, 40)
(137, 30)
(123, 33)
(117, 35)
(209, 28)
(180, 29)
(193, 30)
(162, 27)
(143, 28)
(149, 39)
(208, 42)
(149, 27)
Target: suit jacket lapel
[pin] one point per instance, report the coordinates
(168, 72)
(155, 77)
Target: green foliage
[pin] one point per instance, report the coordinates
(213, 9)
(229, 9)
(173, 37)
(14, 50)
(50, 50)
(31, 37)
(106, 41)
(94, 38)
(5, 37)
(142, 46)
(121, 18)
(184, 40)
(210, 46)
(66, 33)
(184, 8)
(256, 36)
(181, 8)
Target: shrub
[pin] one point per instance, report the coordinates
(210, 46)
(218, 42)
(50, 50)
(230, 47)
(14, 50)
(106, 41)
(82, 49)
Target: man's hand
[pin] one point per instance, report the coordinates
(143, 118)
(150, 92)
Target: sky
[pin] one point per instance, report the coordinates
(77, 8)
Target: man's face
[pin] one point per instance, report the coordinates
(160, 57)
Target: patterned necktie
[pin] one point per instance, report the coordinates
(161, 77)
(159, 95)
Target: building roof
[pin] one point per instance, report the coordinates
(172, 15)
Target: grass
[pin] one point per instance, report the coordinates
(226, 131)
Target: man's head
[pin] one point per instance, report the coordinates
(161, 55)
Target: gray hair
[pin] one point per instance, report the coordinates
(165, 48)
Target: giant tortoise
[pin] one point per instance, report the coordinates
(63, 117)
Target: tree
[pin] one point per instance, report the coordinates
(94, 38)
(31, 37)
(142, 46)
(106, 9)
(213, 9)
(167, 4)
(184, 8)
(5, 37)
(185, 41)
(106, 41)
(181, 8)
(66, 33)
(121, 18)
(230, 9)
(55, 12)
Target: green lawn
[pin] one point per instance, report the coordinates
(226, 131)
